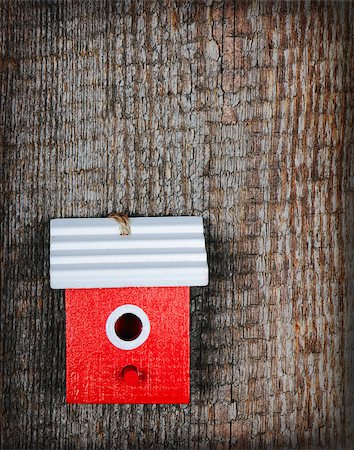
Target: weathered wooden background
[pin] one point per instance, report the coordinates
(240, 112)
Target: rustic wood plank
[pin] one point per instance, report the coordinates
(241, 112)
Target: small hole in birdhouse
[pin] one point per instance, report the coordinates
(128, 327)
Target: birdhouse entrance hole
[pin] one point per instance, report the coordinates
(128, 327)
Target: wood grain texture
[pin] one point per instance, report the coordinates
(241, 112)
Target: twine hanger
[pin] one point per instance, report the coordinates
(123, 221)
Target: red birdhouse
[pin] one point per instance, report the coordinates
(127, 305)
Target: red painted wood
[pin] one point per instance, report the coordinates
(131, 375)
(155, 372)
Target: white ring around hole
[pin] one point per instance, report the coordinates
(111, 322)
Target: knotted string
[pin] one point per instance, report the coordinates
(123, 221)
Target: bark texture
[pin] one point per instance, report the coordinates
(240, 112)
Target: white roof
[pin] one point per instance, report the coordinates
(160, 251)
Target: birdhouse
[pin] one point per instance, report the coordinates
(127, 305)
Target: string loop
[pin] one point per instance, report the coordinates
(123, 221)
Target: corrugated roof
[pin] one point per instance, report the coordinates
(160, 251)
